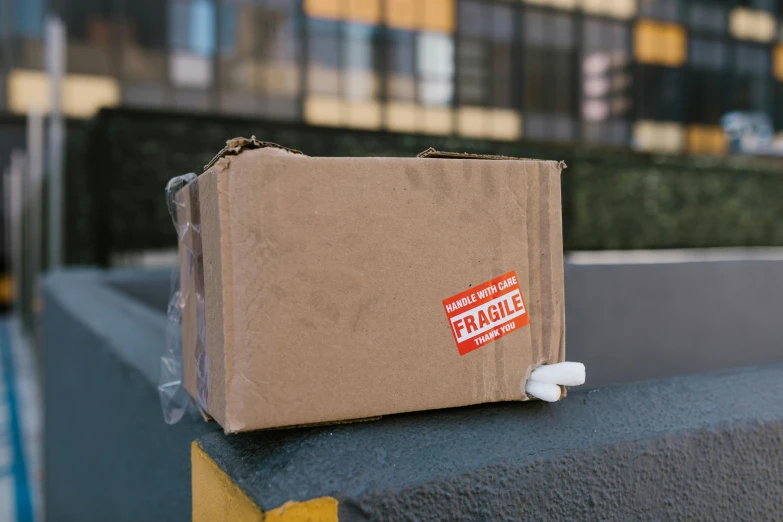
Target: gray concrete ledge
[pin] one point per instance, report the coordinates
(704, 447)
(108, 454)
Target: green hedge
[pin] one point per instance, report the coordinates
(612, 199)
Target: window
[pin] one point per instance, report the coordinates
(707, 54)
(707, 18)
(606, 81)
(485, 54)
(435, 61)
(324, 57)
(658, 43)
(400, 48)
(752, 86)
(193, 26)
(660, 9)
(192, 37)
(658, 93)
(144, 52)
(623, 9)
(425, 15)
(751, 24)
(361, 11)
(28, 18)
(259, 57)
(549, 75)
(777, 65)
(707, 81)
(342, 79)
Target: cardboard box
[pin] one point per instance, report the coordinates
(335, 289)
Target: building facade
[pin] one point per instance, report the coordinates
(650, 74)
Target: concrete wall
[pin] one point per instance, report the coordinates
(669, 315)
(108, 454)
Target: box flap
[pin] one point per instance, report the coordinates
(237, 145)
(437, 154)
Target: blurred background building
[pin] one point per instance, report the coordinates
(650, 74)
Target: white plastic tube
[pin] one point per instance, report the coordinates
(564, 373)
(543, 390)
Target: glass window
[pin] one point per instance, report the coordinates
(707, 54)
(359, 61)
(324, 57)
(548, 74)
(660, 9)
(752, 87)
(707, 18)
(752, 24)
(28, 18)
(435, 62)
(658, 43)
(402, 73)
(193, 28)
(606, 80)
(485, 54)
(658, 93)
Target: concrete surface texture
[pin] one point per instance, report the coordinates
(704, 447)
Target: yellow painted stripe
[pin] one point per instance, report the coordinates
(216, 498)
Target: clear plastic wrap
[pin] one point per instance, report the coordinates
(174, 399)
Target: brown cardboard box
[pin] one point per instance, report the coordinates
(344, 288)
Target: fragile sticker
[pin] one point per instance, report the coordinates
(486, 312)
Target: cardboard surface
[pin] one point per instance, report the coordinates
(325, 281)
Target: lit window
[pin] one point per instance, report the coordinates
(658, 136)
(623, 9)
(426, 15)
(778, 62)
(557, 4)
(83, 95)
(361, 11)
(328, 9)
(401, 14)
(705, 139)
(658, 43)
(751, 24)
(437, 15)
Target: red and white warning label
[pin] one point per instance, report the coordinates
(486, 312)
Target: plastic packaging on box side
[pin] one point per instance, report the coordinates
(174, 399)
